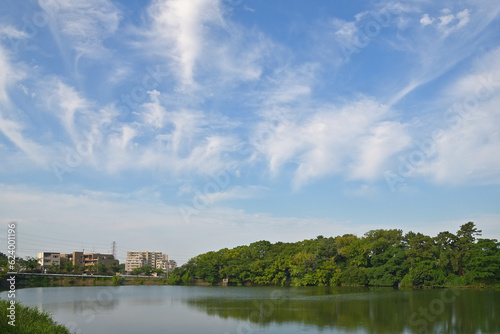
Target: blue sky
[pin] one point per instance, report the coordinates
(188, 126)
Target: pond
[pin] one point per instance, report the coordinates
(227, 310)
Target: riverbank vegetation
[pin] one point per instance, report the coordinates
(24, 281)
(379, 258)
(28, 320)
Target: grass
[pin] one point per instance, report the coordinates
(29, 320)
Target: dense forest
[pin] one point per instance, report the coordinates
(379, 258)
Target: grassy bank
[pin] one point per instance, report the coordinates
(28, 320)
(45, 281)
(52, 281)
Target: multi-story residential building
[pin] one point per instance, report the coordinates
(98, 258)
(76, 258)
(152, 259)
(46, 259)
(162, 263)
(134, 260)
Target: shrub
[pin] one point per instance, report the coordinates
(117, 280)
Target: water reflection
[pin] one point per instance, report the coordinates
(73, 299)
(375, 311)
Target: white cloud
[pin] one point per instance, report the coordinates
(168, 142)
(152, 113)
(463, 18)
(445, 20)
(356, 140)
(9, 75)
(239, 57)
(376, 148)
(12, 32)
(337, 40)
(346, 31)
(205, 51)
(289, 86)
(426, 20)
(346, 37)
(65, 103)
(84, 25)
(118, 73)
(12, 125)
(180, 28)
(456, 37)
(467, 151)
(177, 142)
(236, 192)
(14, 132)
(449, 22)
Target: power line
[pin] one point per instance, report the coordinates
(23, 235)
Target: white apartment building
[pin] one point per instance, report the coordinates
(140, 259)
(46, 259)
(134, 260)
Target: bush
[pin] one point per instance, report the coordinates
(455, 281)
(187, 278)
(354, 276)
(117, 280)
(174, 280)
(406, 282)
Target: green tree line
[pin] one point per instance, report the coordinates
(379, 258)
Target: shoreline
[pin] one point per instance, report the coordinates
(75, 281)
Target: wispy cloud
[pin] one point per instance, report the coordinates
(448, 22)
(169, 142)
(355, 140)
(440, 40)
(9, 75)
(465, 152)
(83, 25)
(66, 104)
(9, 31)
(201, 45)
(179, 31)
(12, 126)
(14, 132)
(234, 193)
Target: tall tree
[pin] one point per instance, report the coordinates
(466, 237)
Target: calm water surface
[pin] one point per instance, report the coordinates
(224, 310)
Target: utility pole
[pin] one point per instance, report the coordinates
(114, 250)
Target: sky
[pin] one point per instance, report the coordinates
(190, 126)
